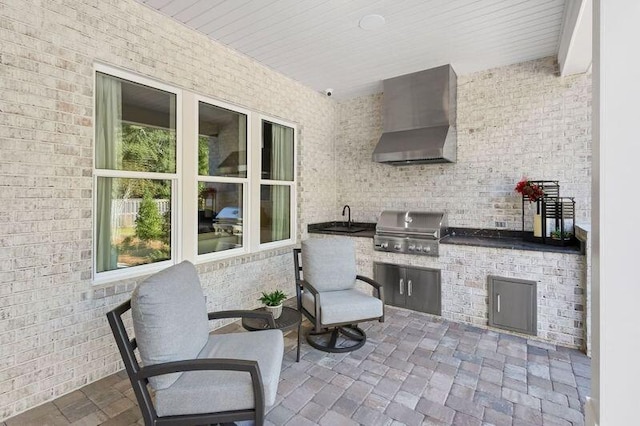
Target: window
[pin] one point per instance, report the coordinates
(229, 190)
(222, 178)
(276, 182)
(135, 174)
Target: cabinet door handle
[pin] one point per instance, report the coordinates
(409, 287)
(498, 302)
(401, 286)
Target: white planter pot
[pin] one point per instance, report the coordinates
(276, 311)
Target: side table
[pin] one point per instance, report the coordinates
(287, 321)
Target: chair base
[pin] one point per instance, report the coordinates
(338, 339)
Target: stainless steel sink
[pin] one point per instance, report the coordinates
(345, 229)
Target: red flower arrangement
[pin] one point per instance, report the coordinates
(531, 190)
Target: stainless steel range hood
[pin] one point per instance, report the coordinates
(419, 113)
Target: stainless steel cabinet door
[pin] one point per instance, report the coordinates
(392, 279)
(512, 304)
(423, 290)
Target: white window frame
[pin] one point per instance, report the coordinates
(176, 230)
(293, 224)
(184, 182)
(191, 163)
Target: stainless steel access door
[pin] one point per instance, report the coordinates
(392, 279)
(413, 288)
(513, 304)
(423, 290)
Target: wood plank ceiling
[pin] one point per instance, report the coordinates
(320, 44)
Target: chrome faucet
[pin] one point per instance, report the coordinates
(346, 207)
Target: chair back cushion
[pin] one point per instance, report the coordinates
(329, 264)
(169, 319)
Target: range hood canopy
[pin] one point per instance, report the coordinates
(419, 113)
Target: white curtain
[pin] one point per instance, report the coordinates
(281, 169)
(281, 152)
(108, 145)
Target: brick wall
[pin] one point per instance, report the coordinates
(512, 121)
(53, 333)
(583, 233)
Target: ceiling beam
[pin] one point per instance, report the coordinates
(574, 52)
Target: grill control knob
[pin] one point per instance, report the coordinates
(427, 249)
(397, 246)
(419, 248)
(384, 245)
(412, 247)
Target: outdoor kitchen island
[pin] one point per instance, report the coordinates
(466, 263)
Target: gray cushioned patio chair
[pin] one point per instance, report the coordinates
(326, 277)
(198, 378)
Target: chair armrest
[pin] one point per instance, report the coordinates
(306, 285)
(220, 364)
(368, 280)
(226, 364)
(243, 314)
(374, 284)
(316, 302)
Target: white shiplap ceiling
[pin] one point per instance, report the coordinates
(319, 42)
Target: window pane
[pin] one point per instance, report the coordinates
(222, 142)
(275, 213)
(135, 126)
(133, 222)
(219, 216)
(277, 151)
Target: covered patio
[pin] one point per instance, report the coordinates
(414, 369)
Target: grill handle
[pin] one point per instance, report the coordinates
(407, 233)
(401, 286)
(409, 287)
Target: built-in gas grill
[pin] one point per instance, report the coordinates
(410, 232)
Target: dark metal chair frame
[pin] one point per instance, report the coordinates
(139, 376)
(348, 329)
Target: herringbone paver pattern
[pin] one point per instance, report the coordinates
(415, 369)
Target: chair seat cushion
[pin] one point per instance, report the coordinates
(212, 391)
(343, 306)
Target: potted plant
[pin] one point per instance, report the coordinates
(560, 235)
(273, 302)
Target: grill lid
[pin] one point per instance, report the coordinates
(416, 223)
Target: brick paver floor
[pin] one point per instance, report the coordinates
(415, 369)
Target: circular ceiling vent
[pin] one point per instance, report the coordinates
(372, 22)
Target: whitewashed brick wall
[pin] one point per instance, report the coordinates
(53, 331)
(583, 233)
(512, 121)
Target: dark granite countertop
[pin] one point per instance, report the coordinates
(497, 238)
(369, 229)
(493, 238)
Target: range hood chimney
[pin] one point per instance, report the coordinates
(419, 113)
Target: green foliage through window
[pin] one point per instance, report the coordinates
(149, 222)
(147, 149)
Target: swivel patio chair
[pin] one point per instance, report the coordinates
(198, 378)
(325, 271)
